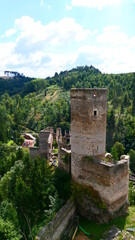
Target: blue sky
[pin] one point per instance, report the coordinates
(41, 37)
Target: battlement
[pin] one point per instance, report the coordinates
(108, 181)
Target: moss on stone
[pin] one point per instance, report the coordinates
(89, 158)
(79, 191)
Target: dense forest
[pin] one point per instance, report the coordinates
(29, 105)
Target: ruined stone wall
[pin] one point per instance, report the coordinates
(55, 229)
(34, 152)
(45, 147)
(43, 140)
(105, 183)
(64, 158)
(58, 135)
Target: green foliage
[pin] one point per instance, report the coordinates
(131, 195)
(110, 129)
(133, 94)
(8, 231)
(89, 158)
(62, 184)
(46, 102)
(34, 104)
(28, 186)
(66, 158)
(117, 150)
(132, 160)
(55, 144)
(55, 204)
(114, 154)
(8, 212)
(7, 157)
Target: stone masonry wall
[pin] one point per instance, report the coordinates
(88, 121)
(55, 229)
(34, 152)
(103, 185)
(64, 158)
(109, 181)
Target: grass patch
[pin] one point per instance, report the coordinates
(97, 230)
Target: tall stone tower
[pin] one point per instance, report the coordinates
(88, 124)
(100, 187)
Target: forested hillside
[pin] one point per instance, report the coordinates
(38, 103)
(29, 105)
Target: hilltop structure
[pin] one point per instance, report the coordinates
(13, 74)
(100, 184)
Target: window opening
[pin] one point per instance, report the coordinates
(95, 112)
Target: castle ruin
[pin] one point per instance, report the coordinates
(101, 187)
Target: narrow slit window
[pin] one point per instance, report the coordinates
(95, 112)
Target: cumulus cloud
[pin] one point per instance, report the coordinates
(112, 35)
(40, 46)
(41, 50)
(54, 33)
(68, 7)
(99, 4)
(113, 52)
(10, 32)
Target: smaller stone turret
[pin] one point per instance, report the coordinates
(45, 144)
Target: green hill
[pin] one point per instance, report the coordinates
(37, 103)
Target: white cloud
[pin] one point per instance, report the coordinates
(39, 47)
(34, 36)
(10, 32)
(113, 52)
(41, 50)
(55, 33)
(95, 3)
(68, 7)
(112, 35)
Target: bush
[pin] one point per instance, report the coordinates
(62, 184)
(117, 150)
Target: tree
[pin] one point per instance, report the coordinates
(110, 129)
(132, 160)
(8, 231)
(117, 150)
(133, 95)
(5, 123)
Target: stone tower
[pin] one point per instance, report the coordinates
(100, 187)
(88, 124)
